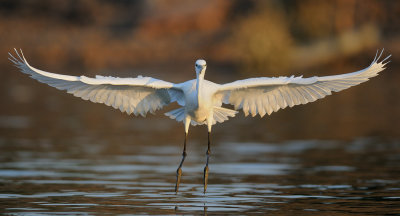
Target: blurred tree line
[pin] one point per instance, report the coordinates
(261, 36)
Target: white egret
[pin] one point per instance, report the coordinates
(201, 100)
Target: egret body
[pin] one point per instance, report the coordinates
(201, 100)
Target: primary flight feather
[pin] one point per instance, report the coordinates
(201, 100)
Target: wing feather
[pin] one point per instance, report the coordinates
(131, 95)
(266, 95)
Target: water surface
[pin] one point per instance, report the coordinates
(92, 175)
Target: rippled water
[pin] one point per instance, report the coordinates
(87, 176)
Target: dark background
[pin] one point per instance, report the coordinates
(239, 39)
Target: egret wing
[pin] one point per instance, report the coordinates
(266, 95)
(131, 95)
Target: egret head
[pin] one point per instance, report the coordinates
(200, 67)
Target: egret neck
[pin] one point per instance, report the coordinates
(200, 79)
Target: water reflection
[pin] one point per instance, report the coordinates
(295, 176)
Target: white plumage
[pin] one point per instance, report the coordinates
(266, 95)
(254, 96)
(201, 100)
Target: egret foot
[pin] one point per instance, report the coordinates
(206, 167)
(205, 178)
(179, 173)
(178, 179)
(179, 170)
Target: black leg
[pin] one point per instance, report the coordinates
(206, 167)
(179, 170)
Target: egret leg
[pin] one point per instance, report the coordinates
(179, 170)
(206, 167)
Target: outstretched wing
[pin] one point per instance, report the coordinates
(266, 95)
(131, 95)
